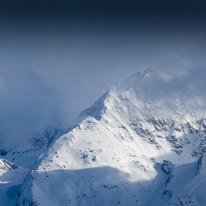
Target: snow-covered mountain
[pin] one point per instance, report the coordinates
(11, 179)
(141, 143)
(16, 163)
(27, 152)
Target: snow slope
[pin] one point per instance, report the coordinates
(141, 143)
(15, 164)
(11, 179)
(28, 151)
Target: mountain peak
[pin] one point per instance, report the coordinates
(137, 77)
(152, 93)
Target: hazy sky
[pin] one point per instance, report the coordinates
(56, 59)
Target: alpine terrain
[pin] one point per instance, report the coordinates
(142, 143)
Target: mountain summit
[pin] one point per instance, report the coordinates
(141, 143)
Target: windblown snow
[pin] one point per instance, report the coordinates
(142, 143)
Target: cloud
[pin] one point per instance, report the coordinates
(52, 76)
(1, 83)
(26, 104)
